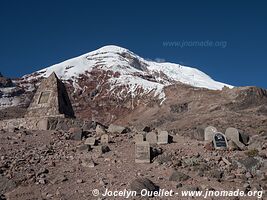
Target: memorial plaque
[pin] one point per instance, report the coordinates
(139, 138)
(142, 152)
(151, 138)
(105, 139)
(209, 133)
(44, 97)
(163, 137)
(219, 141)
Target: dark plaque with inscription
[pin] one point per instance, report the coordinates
(220, 141)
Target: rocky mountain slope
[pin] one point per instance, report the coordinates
(9, 93)
(112, 84)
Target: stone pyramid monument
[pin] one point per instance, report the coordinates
(51, 100)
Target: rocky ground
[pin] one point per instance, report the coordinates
(59, 165)
(51, 165)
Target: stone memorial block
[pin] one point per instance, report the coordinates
(139, 138)
(219, 141)
(11, 127)
(233, 134)
(163, 137)
(151, 138)
(105, 139)
(90, 141)
(100, 130)
(142, 152)
(43, 124)
(209, 133)
(51, 99)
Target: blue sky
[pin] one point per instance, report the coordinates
(37, 34)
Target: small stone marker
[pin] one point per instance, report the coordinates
(90, 141)
(151, 138)
(11, 128)
(139, 138)
(219, 141)
(43, 124)
(105, 139)
(163, 137)
(100, 130)
(233, 134)
(142, 152)
(209, 133)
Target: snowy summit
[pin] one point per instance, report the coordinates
(135, 71)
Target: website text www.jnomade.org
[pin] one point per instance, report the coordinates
(170, 193)
(189, 44)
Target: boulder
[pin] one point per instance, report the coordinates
(117, 129)
(104, 149)
(163, 159)
(87, 162)
(178, 176)
(250, 164)
(76, 133)
(142, 183)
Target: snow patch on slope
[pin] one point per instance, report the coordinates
(136, 83)
(186, 75)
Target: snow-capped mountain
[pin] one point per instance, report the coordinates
(129, 72)
(114, 85)
(111, 82)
